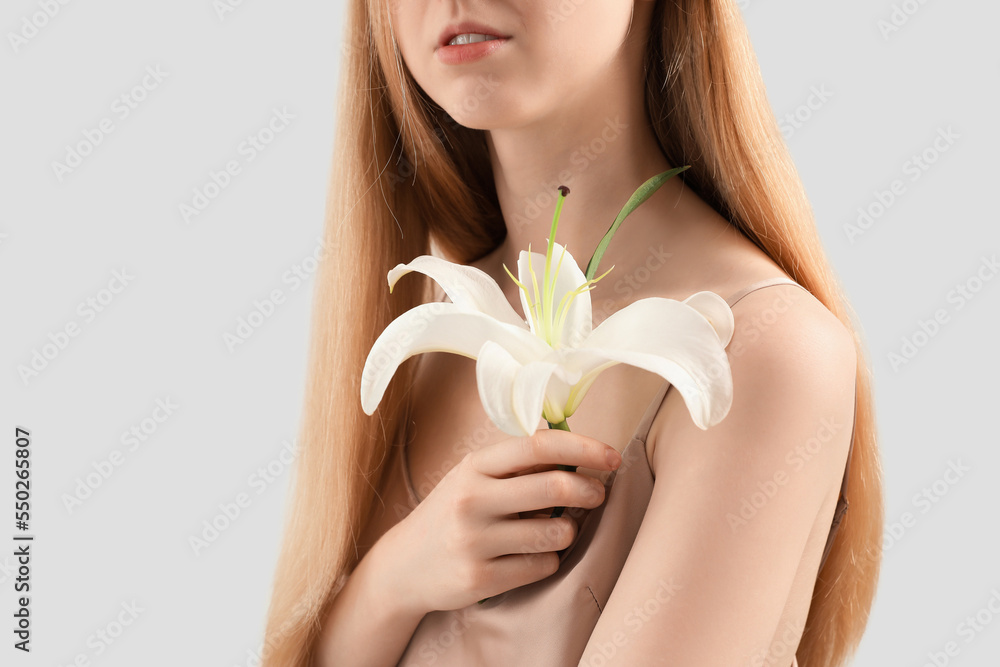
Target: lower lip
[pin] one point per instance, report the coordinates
(460, 54)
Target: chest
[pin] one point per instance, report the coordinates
(448, 422)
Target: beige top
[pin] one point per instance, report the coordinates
(549, 622)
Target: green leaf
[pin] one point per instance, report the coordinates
(644, 192)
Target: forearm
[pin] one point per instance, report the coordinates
(369, 624)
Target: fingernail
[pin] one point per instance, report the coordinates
(614, 458)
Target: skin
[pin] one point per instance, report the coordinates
(749, 586)
(553, 104)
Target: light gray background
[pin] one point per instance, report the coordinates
(161, 337)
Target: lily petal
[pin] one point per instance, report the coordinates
(465, 285)
(531, 389)
(439, 327)
(495, 373)
(515, 395)
(671, 339)
(579, 318)
(579, 390)
(716, 310)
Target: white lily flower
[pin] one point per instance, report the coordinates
(542, 367)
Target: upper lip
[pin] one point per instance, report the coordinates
(464, 27)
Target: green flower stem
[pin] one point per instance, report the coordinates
(562, 426)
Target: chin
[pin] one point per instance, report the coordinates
(478, 121)
(479, 101)
(495, 113)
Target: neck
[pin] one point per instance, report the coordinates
(602, 152)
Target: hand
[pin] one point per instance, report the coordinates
(466, 540)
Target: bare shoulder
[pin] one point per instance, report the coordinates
(793, 365)
(780, 451)
(787, 329)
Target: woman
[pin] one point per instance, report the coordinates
(683, 546)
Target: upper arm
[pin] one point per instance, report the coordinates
(706, 580)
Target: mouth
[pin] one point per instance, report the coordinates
(468, 32)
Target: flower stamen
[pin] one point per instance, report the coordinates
(548, 279)
(564, 304)
(537, 317)
(527, 295)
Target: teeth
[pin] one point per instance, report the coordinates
(470, 38)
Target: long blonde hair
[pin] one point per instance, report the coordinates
(404, 174)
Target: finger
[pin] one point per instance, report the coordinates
(521, 569)
(547, 446)
(555, 488)
(529, 536)
(575, 513)
(541, 467)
